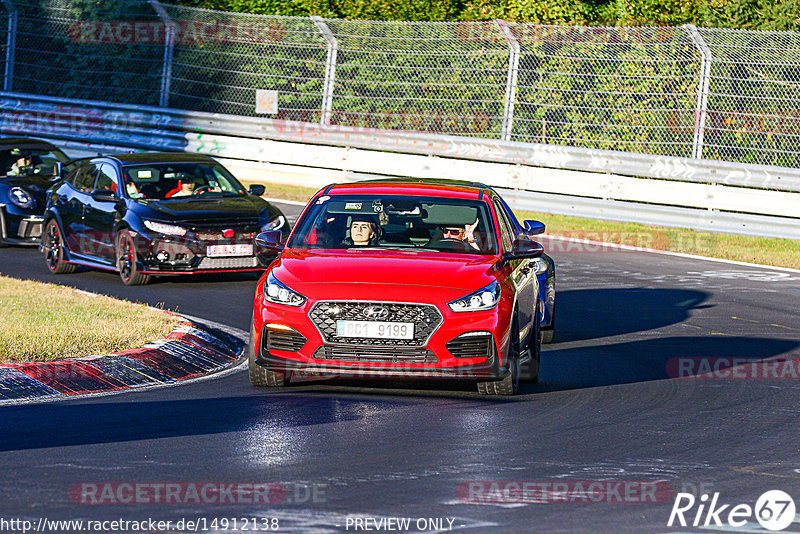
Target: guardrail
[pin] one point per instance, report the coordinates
(669, 191)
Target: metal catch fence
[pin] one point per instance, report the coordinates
(674, 91)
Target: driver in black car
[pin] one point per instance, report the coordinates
(465, 234)
(25, 165)
(185, 188)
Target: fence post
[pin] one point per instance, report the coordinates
(701, 109)
(330, 70)
(11, 46)
(511, 80)
(169, 49)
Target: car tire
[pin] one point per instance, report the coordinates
(126, 261)
(53, 245)
(510, 384)
(261, 376)
(529, 371)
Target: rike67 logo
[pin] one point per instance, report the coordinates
(774, 510)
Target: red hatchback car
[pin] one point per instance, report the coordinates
(400, 279)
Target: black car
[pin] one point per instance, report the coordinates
(156, 214)
(28, 168)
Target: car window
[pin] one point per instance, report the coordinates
(163, 181)
(397, 222)
(505, 226)
(84, 178)
(107, 178)
(27, 161)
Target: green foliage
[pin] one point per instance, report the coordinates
(743, 14)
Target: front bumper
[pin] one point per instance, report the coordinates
(160, 254)
(20, 228)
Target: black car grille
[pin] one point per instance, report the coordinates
(244, 223)
(286, 340)
(356, 353)
(470, 346)
(218, 237)
(248, 262)
(426, 319)
(30, 228)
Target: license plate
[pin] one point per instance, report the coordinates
(215, 251)
(375, 329)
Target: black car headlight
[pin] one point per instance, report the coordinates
(275, 224)
(20, 197)
(277, 292)
(482, 299)
(163, 228)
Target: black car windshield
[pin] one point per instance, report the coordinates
(163, 181)
(397, 222)
(30, 161)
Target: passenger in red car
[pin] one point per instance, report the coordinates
(364, 231)
(466, 234)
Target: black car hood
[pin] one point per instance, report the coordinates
(207, 210)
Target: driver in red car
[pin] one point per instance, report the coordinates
(364, 231)
(466, 234)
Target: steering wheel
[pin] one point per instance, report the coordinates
(449, 244)
(202, 189)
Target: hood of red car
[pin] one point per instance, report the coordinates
(303, 268)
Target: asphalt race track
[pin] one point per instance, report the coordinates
(607, 409)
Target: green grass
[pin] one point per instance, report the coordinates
(42, 322)
(763, 250)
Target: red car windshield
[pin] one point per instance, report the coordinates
(397, 222)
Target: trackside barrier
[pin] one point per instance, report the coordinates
(669, 191)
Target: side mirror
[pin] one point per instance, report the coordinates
(103, 195)
(524, 248)
(534, 227)
(270, 239)
(257, 190)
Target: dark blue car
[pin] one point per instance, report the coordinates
(156, 214)
(28, 167)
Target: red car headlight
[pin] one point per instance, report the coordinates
(480, 300)
(279, 293)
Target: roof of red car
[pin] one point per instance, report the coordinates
(410, 187)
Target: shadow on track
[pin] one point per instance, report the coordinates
(651, 359)
(60, 425)
(595, 313)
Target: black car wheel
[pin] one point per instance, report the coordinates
(126, 261)
(54, 250)
(510, 384)
(261, 376)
